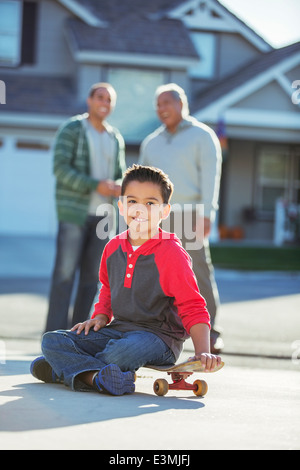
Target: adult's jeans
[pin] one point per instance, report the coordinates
(77, 248)
(202, 265)
(70, 354)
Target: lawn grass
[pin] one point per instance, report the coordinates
(253, 258)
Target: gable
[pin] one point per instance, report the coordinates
(269, 73)
(210, 15)
(271, 97)
(294, 74)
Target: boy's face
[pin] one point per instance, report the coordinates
(143, 208)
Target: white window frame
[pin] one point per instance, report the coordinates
(206, 45)
(13, 33)
(288, 182)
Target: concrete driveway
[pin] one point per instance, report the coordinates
(252, 403)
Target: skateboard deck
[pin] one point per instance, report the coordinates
(179, 373)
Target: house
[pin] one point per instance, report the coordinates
(51, 51)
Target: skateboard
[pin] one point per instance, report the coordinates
(179, 373)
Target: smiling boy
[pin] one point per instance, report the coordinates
(148, 305)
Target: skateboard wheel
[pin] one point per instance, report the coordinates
(160, 387)
(201, 389)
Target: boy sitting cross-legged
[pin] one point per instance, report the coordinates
(149, 302)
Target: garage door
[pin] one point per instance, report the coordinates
(27, 184)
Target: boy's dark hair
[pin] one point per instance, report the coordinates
(149, 174)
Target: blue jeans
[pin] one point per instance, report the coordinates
(77, 248)
(70, 354)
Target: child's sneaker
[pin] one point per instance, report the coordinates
(41, 370)
(112, 380)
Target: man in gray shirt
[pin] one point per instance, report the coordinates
(190, 153)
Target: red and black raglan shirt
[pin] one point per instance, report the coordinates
(152, 288)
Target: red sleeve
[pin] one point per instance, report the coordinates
(178, 280)
(103, 306)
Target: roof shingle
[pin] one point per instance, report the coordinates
(134, 34)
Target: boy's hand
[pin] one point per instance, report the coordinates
(100, 321)
(209, 361)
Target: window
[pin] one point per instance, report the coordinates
(205, 44)
(10, 32)
(135, 114)
(278, 177)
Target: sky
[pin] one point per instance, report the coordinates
(277, 21)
